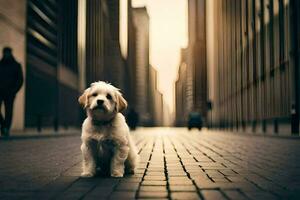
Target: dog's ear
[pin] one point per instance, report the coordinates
(83, 99)
(121, 102)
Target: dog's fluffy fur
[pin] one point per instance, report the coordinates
(106, 141)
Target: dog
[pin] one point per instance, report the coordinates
(106, 140)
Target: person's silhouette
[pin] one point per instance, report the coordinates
(132, 119)
(11, 80)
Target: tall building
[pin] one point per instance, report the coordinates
(155, 99)
(13, 34)
(103, 54)
(115, 67)
(51, 65)
(197, 46)
(138, 62)
(254, 65)
(96, 21)
(131, 58)
(62, 46)
(183, 96)
(193, 82)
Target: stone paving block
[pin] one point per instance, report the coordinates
(228, 172)
(214, 173)
(152, 198)
(192, 164)
(176, 173)
(59, 184)
(70, 195)
(179, 179)
(212, 195)
(182, 182)
(172, 170)
(137, 175)
(153, 188)
(174, 165)
(127, 186)
(196, 173)
(210, 164)
(73, 171)
(98, 193)
(122, 195)
(131, 180)
(42, 195)
(243, 171)
(235, 194)
(183, 188)
(261, 196)
(154, 183)
(236, 179)
(185, 195)
(202, 180)
(155, 178)
(211, 185)
(155, 169)
(78, 189)
(202, 159)
(213, 167)
(106, 182)
(153, 194)
(155, 173)
(220, 180)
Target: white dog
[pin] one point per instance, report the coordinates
(106, 141)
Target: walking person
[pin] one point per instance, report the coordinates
(11, 80)
(132, 119)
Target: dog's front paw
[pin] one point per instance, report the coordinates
(87, 174)
(116, 174)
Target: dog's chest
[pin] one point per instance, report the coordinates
(102, 134)
(107, 144)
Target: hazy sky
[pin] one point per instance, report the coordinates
(168, 34)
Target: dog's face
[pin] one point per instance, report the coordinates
(102, 101)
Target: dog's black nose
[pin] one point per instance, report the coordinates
(100, 102)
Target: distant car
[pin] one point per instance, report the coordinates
(194, 120)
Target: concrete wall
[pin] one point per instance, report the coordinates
(12, 33)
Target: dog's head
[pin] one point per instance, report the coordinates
(102, 101)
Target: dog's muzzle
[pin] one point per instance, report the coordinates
(101, 108)
(100, 105)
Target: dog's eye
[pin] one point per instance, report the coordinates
(108, 96)
(94, 94)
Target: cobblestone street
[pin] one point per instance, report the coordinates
(175, 164)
